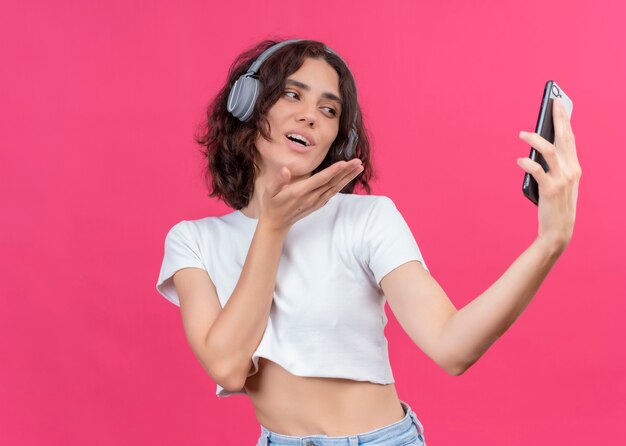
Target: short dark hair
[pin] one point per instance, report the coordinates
(228, 144)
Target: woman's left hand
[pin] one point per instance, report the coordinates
(558, 188)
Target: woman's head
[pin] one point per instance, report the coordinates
(236, 151)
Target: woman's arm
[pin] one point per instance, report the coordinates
(239, 327)
(456, 339)
(224, 340)
(221, 337)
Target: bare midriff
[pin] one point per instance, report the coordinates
(294, 405)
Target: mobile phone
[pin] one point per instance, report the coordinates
(545, 128)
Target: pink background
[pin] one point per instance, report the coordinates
(98, 105)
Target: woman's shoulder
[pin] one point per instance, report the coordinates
(361, 202)
(366, 208)
(197, 226)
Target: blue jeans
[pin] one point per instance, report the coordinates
(406, 432)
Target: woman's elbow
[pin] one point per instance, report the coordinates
(231, 382)
(235, 379)
(455, 370)
(454, 366)
(232, 385)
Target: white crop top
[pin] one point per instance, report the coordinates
(327, 317)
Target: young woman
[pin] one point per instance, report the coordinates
(283, 298)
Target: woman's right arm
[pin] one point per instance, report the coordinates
(225, 347)
(225, 340)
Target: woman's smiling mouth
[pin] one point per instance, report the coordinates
(298, 147)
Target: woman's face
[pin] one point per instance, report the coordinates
(309, 106)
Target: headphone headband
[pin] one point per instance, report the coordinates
(256, 65)
(254, 68)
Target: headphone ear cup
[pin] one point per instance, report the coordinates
(349, 149)
(243, 96)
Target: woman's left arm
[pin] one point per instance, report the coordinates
(456, 339)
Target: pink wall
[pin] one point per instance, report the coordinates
(98, 104)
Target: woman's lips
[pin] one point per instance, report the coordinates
(298, 147)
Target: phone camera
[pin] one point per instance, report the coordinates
(555, 91)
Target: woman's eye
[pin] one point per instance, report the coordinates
(331, 110)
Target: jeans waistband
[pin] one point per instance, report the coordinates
(390, 431)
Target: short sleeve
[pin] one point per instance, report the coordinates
(181, 251)
(387, 240)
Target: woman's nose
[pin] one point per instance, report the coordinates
(307, 114)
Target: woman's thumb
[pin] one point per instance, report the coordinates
(284, 175)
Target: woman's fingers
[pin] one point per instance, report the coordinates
(562, 125)
(320, 179)
(303, 197)
(341, 180)
(561, 156)
(565, 140)
(322, 194)
(558, 188)
(560, 121)
(535, 169)
(541, 145)
(316, 185)
(330, 173)
(279, 182)
(326, 192)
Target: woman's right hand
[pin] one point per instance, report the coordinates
(283, 204)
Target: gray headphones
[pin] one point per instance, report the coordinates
(247, 88)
